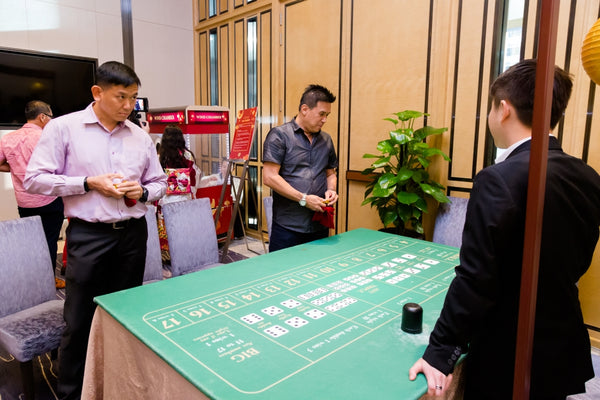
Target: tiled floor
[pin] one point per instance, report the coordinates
(248, 247)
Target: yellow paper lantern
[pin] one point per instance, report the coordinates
(590, 53)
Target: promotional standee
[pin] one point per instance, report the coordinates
(240, 154)
(206, 130)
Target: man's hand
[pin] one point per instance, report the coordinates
(437, 382)
(114, 185)
(105, 184)
(131, 189)
(331, 197)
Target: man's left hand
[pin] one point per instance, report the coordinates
(437, 382)
(331, 197)
(131, 189)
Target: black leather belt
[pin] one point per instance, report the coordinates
(107, 225)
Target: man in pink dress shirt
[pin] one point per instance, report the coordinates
(15, 151)
(105, 168)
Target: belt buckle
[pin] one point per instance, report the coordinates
(118, 225)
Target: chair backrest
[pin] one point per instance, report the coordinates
(25, 265)
(450, 221)
(191, 234)
(268, 203)
(153, 270)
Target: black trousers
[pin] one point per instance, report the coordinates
(52, 219)
(282, 238)
(102, 260)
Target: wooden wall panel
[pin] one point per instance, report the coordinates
(312, 48)
(223, 6)
(388, 74)
(594, 142)
(586, 101)
(265, 96)
(380, 57)
(224, 99)
(362, 217)
(468, 81)
(203, 70)
(575, 133)
(201, 10)
(239, 70)
(312, 55)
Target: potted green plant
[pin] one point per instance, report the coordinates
(400, 184)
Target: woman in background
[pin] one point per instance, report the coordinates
(179, 164)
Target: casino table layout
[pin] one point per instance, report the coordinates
(319, 320)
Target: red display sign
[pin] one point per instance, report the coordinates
(200, 117)
(244, 133)
(176, 117)
(190, 121)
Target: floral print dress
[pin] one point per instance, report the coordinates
(181, 184)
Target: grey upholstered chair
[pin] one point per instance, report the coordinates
(192, 236)
(450, 221)
(268, 203)
(153, 271)
(31, 316)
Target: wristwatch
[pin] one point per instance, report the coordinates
(144, 197)
(302, 201)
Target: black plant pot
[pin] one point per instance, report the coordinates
(397, 230)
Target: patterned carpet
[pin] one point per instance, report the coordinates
(45, 370)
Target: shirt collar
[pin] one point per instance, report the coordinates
(298, 129)
(92, 118)
(506, 152)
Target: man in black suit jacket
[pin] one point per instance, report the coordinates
(480, 311)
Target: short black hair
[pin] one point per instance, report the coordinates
(315, 93)
(517, 86)
(114, 73)
(34, 108)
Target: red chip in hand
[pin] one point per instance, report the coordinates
(130, 202)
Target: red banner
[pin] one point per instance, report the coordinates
(244, 133)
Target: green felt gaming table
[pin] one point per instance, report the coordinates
(320, 320)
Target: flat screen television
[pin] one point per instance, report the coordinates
(62, 81)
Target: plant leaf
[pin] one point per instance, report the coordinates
(409, 114)
(368, 171)
(432, 151)
(368, 200)
(404, 174)
(385, 146)
(386, 181)
(407, 197)
(424, 162)
(421, 205)
(381, 192)
(419, 175)
(404, 212)
(389, 218)
(401, 136)
(434, 192)
(425, 131)
(381, 162)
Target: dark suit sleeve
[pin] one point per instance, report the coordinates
(491, 215)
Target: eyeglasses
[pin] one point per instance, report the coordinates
(48, 115)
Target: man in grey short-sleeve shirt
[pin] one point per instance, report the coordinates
(299, 164)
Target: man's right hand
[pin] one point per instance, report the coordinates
(105, 185)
